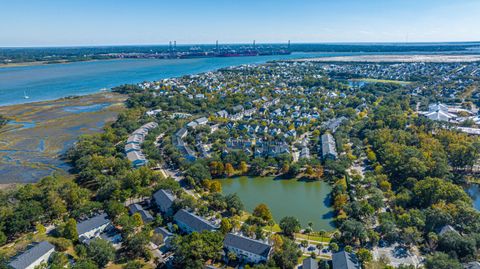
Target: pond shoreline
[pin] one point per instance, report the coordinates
(306, 200)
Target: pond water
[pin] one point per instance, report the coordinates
(474, 192)
(307, 201)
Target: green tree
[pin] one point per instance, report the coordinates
(289, 225)
(136, 245)
(287, 256)
(225, 226)
(207, 246)
(364, 255)
(85, 264)
(441, 260)
(58, 260)
(234, 204)
(262, 211)
(70, 229)
(100, 251)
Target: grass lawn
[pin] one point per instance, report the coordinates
(372, 80)
(313, 237)
(22, 243)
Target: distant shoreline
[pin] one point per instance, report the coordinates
(426, 58)
(41, 63)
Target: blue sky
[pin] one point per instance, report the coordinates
(113, 22)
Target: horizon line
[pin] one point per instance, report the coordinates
(244, 43)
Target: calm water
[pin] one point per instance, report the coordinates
(54, 81)
(474, 192)
(308, 201)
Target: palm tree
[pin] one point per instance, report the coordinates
(310, 225)
(321, 233)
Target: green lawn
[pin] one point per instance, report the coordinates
(313, 237)
(373, 80)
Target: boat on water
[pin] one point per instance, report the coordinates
(25, 96)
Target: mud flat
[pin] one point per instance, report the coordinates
(37, 135)
(435, 58)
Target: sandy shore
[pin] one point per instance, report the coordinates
(397, 59)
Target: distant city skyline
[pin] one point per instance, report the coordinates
(28, 23)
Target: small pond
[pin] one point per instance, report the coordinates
(307, 201)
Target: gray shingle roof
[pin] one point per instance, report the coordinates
(328, 145)
(345, 260)
(446, 229)
(32, 254)
(146, 216)
(163, 199)
(196, 223)
(92, 223)
(247, 244)
(164, 232)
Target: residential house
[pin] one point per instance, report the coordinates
(136, 158)
(247, 249)
(238, 108)
(305, 153)
(446, 229)
(329, 150)
(222, 114)
(202, 121)
(164, 200)
(192, 124)
(345, 260)
(93, 227)
(132, 147)
(153, 112)
(34, 256)
(136, 208)
(189, 222)
(166, 235)
(181, 133)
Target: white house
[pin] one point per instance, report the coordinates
(93, 227)
(34, 256)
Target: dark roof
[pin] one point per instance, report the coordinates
(164, 232)
(92, 223)
(446, 229)
(310, 263)
(345, 260)
(164, 199)
(247, 244)
(196, 223)
(31, 255)
(146, 216)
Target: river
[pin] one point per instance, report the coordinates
(53, 81)
(307, 201)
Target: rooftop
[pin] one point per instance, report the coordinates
(193, 221)
(92, 223)
(31, 255)
(247, 244)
